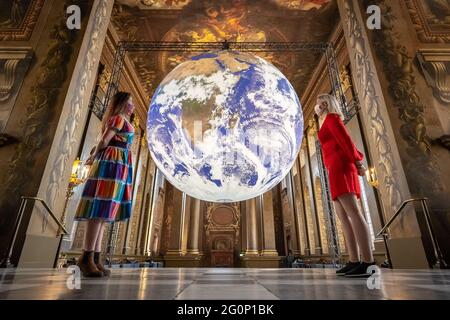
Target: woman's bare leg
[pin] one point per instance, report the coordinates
(349, 235)
(359, 225)
(92, 230)
(98, 242)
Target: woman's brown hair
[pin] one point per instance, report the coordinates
(117, 106)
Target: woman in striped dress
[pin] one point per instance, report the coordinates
(107, 192)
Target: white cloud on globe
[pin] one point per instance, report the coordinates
(224, 126)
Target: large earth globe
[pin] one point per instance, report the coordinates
(224, 126)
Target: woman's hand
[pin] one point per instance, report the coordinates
(361, 168)
(90, 160)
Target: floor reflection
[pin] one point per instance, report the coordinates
(236, 284)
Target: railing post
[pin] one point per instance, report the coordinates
(110, 245)
(388, 255)
(6, 262)
(55, 263)
(440, 262)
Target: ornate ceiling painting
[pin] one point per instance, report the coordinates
(18, 17)
(219, 20)
(431, 19)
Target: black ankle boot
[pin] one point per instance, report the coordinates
(360, 271)
(347, 267)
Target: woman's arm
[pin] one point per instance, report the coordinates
(114, 125)
(344, 140)
(102, 144)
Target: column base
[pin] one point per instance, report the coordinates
(183, 261)
(266, 253)
(260, 261)
(251, 252)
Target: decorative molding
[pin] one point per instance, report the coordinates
(435, 64)
(344, 77)
(211, 225)
(22, 30)
(430, 19)
(65, 145)
(366, 83)
(14, 63)
(104, 79)
(10, 58)
(399, 72)
(51, 74)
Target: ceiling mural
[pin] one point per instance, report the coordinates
(219, 20)
(305, 5)
(179, 4)
(18, 17)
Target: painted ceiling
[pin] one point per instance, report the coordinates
(219, 20)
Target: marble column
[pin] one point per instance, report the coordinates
(194, 227)
(252, 227)
(292, 216)
(185, 222)
(176, 230)
(157, 212)
(268, 223)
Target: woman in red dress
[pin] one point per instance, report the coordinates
(343, 162)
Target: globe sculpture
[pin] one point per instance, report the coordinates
(224, 126)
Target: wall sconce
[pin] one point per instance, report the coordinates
(79, 172)
(75, 169)
(78, 176)
(372, 178)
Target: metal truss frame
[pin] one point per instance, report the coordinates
(330, 218)
(349, 109)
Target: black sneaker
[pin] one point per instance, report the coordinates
(360, 271)
(347, 267)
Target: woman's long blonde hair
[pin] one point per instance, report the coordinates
(117, 106)
(333, 104)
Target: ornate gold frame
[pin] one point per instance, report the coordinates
(27, 24)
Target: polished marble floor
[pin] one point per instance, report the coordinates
(235, 284)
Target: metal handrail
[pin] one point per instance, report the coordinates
(6, 262)
(440, 262)
(50, 212)
(397, 213)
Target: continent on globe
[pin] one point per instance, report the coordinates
(224, 126)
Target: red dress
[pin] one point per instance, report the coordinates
(339, 156)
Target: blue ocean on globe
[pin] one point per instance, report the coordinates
(224, 126)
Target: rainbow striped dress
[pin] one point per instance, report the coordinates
(107, 191)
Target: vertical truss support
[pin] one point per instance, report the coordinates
(349, 109)
(113, 85)
(332, 233)
(112, 241)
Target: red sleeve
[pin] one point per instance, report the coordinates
(115, 123)
(340, 133)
